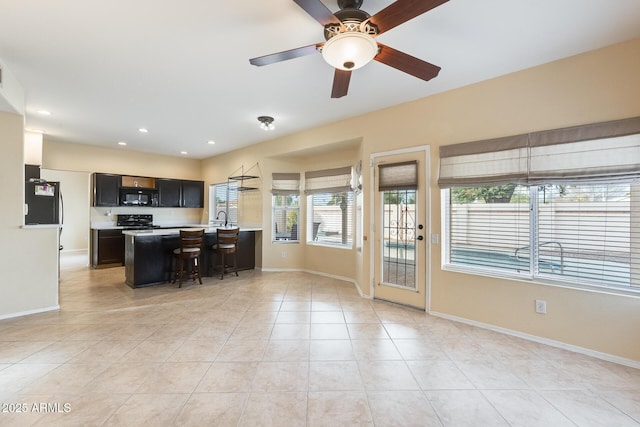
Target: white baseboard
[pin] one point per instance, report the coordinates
(75, 251)
(28, 312)
(558, 344)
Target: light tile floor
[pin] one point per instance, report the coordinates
(284, 349)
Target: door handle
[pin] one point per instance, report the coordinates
(420, 238)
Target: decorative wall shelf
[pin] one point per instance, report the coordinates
(254, 180)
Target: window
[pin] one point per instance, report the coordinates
(560, 206)
(486, 231)
(223, 198)
(398, 183)
(285, 190)
(330, 216)
(330, 202)
(580, 233)
(286, 211)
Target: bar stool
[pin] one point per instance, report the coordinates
(189, 251)
(226, 244)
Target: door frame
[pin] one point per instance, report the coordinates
(426, 149)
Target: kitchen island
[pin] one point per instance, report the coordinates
(149, 253)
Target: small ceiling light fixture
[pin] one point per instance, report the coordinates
(44, 112)
(143, 130)
(184, 153)
(211, 142)
(122, 143)
(266, 123)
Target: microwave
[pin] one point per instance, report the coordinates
(135, 196)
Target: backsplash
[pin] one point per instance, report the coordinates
(104, 216)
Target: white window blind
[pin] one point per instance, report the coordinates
(494, 161)
(607, 151)
(329, 218)
(286, 212)
(398, 176)
(328, 180)
(285, 183)
(285, 188)
(589, 233)
(486, 234)
(607, 159)
(224, 197)
(573, 215)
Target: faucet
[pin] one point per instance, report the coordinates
(225, 217)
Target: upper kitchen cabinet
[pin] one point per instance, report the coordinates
(106, 188)
(113, 190)
(176, 193)
(169, 193)
(192, 194)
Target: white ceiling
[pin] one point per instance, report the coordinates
(181, 67)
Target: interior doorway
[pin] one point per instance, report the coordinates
(75, 189)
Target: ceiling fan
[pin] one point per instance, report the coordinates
(350, 39)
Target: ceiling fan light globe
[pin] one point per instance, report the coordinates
(350, 50)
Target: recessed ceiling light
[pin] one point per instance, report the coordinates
(122, 143)
(184, 153)
(143, 130)
(211, 142)
(44, 112)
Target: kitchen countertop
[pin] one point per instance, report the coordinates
(166, 226)
(169, 231)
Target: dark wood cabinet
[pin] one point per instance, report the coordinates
(172, 193)
(169, 193)
(176, 193)
(106, 189)
(107, 248)
(149, 258)
(192, 194)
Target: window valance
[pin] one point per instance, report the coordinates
(328, 180)
(398, 176)
(285, 183)
(609, 150)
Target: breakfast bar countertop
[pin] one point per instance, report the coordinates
(169, 231)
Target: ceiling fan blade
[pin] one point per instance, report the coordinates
(340, 83)
(402, 11)
(407, 63)
(285, 55)
(318, 11)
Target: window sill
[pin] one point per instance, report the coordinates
(326, 245)
(285, 241)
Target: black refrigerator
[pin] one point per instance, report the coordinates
(44, 202)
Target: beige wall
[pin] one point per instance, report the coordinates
(596, 86)
(592, 87)
(63, 156)
(89, 158)
(29, 257)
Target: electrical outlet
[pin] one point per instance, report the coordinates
(541, 306)
(283, 254)
(435, 238)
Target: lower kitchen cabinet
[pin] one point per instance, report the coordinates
(107, 248)
(150, 260)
